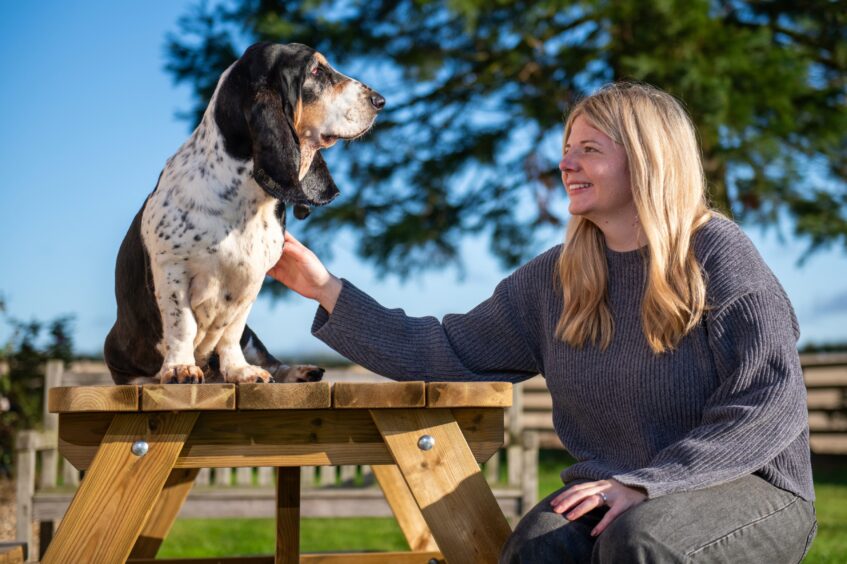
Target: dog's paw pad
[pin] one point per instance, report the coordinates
(181, 374)
(247, 374)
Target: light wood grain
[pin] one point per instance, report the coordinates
(835, 443)
(374, 558)
(279, 438)
(187, 397)
(50, 424)
(164, 513)
(455, 499)
(92, 399)
(825, 376)
(469, 394)
(25, 472)
(11, 555)
(306, 395)
(330, 558)
(287, 516)
(405, 510)
(118, 493)
(365, 395)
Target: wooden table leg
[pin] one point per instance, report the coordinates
(288, 515)
(447, 484)
(404, 507)
(164, 513)
(120, 489)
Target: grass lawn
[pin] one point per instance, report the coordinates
(230, 537)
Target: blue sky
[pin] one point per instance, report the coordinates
(88, 120)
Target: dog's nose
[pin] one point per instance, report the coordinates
(377, 101)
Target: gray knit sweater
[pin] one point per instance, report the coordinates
(727, 402)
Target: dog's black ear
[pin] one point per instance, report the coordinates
(318, 185)
(255, 112)
(276, 153)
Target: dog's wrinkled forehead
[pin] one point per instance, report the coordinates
(320, 79)
(282, 67)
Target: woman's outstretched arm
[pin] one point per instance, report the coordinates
(490, 342)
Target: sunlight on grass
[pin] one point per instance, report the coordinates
(241, 537)
(830, 546)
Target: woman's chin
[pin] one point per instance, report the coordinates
(577, 209)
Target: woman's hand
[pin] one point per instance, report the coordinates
(302, 271)
(582, 498)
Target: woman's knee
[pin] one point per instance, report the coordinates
(533, 536)
(544, 536)
(632, 539)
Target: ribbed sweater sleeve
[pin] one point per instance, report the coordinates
(755, 413)
(490, 342)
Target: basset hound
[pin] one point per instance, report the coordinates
(194, 258)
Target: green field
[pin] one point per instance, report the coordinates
(220, 537)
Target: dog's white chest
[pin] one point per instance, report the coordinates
(227, 273)
(240, 257)
(212, 232)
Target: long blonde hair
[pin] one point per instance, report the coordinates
(669, 191)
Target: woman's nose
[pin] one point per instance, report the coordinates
(567, 164)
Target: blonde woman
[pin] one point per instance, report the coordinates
(668, 346)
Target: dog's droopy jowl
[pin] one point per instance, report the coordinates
(197, 252)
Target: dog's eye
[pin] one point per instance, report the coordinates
(317, 70)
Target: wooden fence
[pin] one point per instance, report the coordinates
(826, 384)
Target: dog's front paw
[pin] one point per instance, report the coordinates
(181, 374)
(247, 374)
(299, 373)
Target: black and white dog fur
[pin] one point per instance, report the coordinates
(196, 254)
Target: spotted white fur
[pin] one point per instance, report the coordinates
(212, 233)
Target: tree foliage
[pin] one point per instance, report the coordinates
(477, 91)
(22, 363)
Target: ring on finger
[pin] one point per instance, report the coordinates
(604, 497)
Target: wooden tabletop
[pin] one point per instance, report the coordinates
(142, 447)
(257, 397)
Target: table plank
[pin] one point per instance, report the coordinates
(164, 513)
(287, 516)
(368, 395)
(119, 491)
(328, 558)
(469, 394)
(225, 439)
(403, 505)
(187, 397)
(66, 399)
(454, 497)
(305, 395)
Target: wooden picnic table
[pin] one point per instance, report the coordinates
(142, 446)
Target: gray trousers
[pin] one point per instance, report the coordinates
(745, 521)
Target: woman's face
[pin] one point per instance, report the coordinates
(596, 176)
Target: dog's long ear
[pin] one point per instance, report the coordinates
(318, 185)
(255, 112)
(276, 154)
